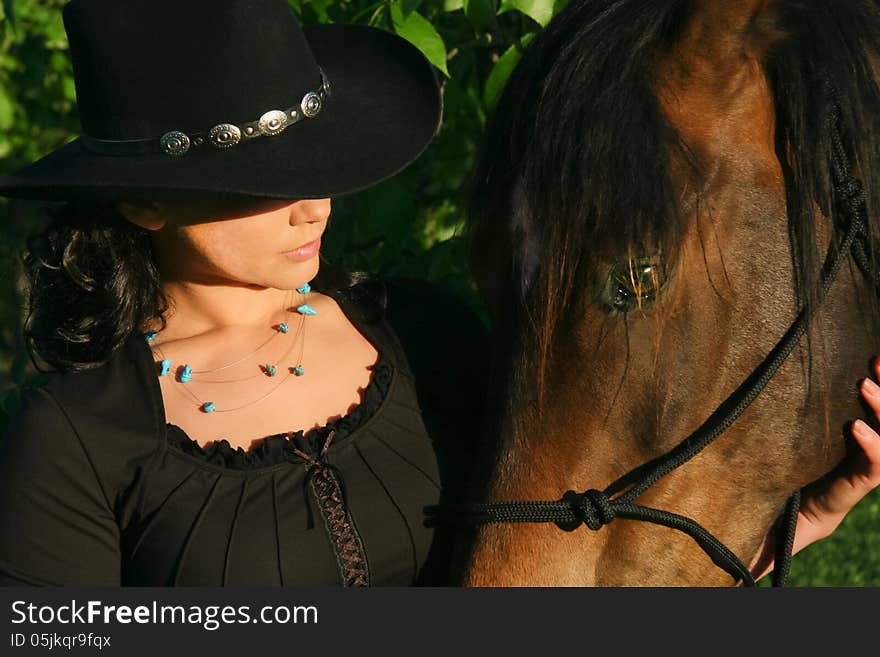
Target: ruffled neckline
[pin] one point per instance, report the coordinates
(281, 447)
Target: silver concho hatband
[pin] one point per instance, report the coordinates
(175, 143)
(228, 135)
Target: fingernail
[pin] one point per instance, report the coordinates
(859, 427)
(870, 387)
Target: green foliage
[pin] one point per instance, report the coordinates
(849, 557)
(410, 225)
(502, 70)
(480, 14)
(37, 114)
(416, 29)
(36, 85)
(8, 8)
(539, 10)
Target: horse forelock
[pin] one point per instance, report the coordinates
(620, 118)
(583, 165)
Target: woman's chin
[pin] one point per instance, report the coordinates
(301, 272)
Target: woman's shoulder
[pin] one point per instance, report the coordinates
(103, 415)
(111, 393)
(440, 332)
(61, 483)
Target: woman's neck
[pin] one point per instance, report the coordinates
(197, 310)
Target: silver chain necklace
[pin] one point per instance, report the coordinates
(270, 369)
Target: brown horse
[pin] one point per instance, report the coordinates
(652, 209)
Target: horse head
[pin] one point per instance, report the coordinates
(651, 211)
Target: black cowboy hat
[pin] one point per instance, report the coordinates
(232, 97)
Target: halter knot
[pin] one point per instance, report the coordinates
(593, 507)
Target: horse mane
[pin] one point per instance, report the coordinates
(578, 155)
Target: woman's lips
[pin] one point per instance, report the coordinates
(305, 252)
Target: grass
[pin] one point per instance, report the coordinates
(849, 557)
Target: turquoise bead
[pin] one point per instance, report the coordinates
(208, 407)
(150, 336)
(284, 328)
(298, 370)
(306, 309)
(270, 370)
(186, 375)
(166, 365)
(305, 289)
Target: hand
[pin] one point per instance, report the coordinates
(827, 501)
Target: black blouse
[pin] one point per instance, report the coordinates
(97, 489)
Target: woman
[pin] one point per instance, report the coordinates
(227, 414)
(227, 409)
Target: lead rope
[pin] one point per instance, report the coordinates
(850, 193)
(785, 540)
(596, 508)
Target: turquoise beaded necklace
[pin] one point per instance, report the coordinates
(304, 310)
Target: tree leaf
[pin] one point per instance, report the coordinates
(541, 11)
(480, 14)
(416, 29)
(7, 111)
(9, 11)
(502, 70)
(409, 6)
(453, 5)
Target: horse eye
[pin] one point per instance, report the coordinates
(632, 284)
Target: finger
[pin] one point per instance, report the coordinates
(827, 501)
(871, 394)
(854, 478)
(869, 441)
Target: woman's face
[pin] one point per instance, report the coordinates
(251, 243)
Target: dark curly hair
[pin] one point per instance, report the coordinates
(93, 282)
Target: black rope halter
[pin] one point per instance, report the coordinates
(597, 508)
